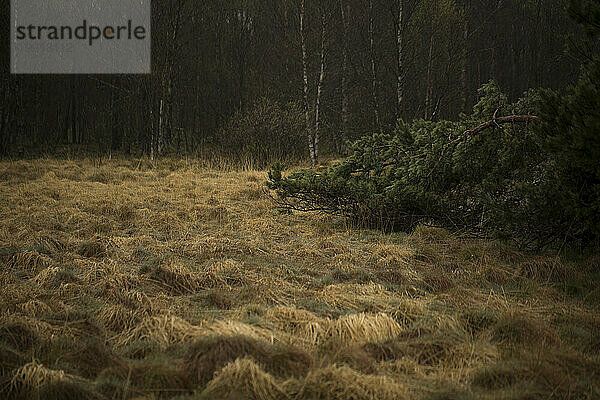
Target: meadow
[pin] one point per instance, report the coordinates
(136, 280)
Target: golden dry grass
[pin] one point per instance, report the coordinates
(182, 280)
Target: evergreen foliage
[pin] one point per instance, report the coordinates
(537, 183)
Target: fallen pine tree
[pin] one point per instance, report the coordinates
(514, 181)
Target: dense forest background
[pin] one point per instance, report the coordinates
(251, 77)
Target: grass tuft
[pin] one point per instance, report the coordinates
(92, 249)
(525, 330)
(18, 335)
(334, 383)
(243, 379)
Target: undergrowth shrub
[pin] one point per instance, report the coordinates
(266, 132)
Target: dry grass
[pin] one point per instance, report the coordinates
(243, 379)
(333, 382)
(179, 279)
(210, 354)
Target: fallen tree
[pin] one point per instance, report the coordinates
(448, 174)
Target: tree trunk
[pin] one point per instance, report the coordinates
(373, 66)
(429, 94)
(400, 59)
(463, 69)
(345, 22)
(309, 134)
(320, 89)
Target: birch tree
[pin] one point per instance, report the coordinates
(309, 127)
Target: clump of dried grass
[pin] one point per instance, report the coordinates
(159, 374)
(390, 350)
(118, 318)
(219, 298)
(167, 330)
(545, 269)
(210, 354)
(332, 383)
(37, 308)
(92, 249)
(288, 361)
(65, 390)
(30, 378)
(357, 297)
(477, 320)
(178, 281)
(525, 330)
(356, 358)
(18, 335)
(437, 282)
(297, 322)
(78, 323)
(360, 328)
(54, 277)
(91, 357)
(30, 262)
(243, 379)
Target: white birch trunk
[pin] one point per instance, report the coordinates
(309, 133)
(320, 90)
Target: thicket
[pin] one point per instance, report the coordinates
(265, 132)
(535, 180)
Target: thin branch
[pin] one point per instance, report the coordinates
(513, 119)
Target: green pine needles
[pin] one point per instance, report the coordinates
(527, 171)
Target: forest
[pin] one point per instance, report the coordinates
(353, 67)
(305, 200)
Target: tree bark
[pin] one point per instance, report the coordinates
(373, 65)
(345, 22)
(400, 59)
(320, 89)
(309, 134)
(463, 69)
(429, 91)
